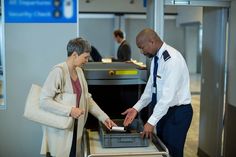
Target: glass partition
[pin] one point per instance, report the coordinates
(2, 65)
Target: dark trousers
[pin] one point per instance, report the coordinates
(173, 127)
(73, 146)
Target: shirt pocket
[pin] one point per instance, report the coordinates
(159, 80)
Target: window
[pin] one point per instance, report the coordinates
(2, 66)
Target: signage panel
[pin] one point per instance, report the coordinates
(40, 11)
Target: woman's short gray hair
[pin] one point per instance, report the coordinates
(78, 45)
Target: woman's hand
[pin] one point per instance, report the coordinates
(109, 123)
(76, 112)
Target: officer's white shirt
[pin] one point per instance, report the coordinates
(173, 85)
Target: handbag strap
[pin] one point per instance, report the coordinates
(63, 80)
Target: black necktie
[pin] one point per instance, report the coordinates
(154, 85)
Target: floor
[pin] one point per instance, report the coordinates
(191, 144)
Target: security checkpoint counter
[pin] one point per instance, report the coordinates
(114, 87)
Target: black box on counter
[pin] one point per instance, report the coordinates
(130, 137)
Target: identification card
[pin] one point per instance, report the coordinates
(154, 90)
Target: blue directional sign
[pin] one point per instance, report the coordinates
(40, 11)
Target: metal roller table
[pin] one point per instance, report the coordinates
(93, 148)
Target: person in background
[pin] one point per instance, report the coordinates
(124, 50)
(67, 143)
(167, 93)
(95, 55)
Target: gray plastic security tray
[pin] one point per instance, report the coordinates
(130, 138)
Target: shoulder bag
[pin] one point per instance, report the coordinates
(34, 113)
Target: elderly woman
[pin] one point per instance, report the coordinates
(67, 142)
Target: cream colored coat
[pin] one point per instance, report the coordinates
(56, 141)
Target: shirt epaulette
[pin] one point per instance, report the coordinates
(166, 55)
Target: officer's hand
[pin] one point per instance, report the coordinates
(147, 131)
(130, 115)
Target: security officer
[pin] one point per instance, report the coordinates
(167, 92)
